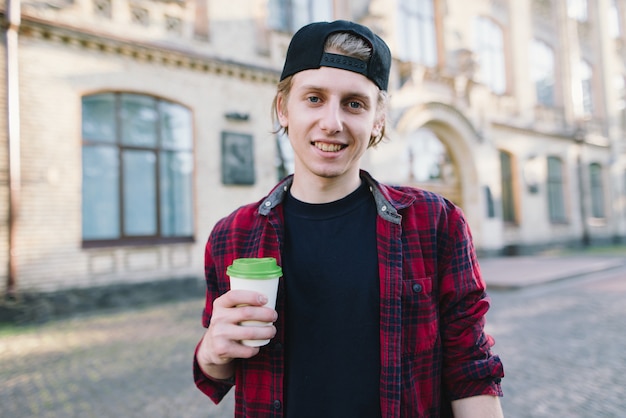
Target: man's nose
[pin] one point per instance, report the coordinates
(331, 121)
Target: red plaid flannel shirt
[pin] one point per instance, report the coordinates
(432, 305)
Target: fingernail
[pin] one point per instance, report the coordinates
(262, 299)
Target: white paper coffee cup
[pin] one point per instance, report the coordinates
(260, 275)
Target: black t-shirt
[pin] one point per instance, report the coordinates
(332, 317)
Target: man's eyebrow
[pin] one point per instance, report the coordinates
(313, 87)
(353, 94)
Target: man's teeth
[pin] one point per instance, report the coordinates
(328, 147)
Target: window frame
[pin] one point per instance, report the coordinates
(546, 70)
(489, 45)
(415, 49)
(158, 150)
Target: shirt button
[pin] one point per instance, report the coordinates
(383, 208)
(277, 404)
(268, 204)
(417, 288)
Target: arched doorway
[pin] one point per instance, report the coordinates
(433, 146)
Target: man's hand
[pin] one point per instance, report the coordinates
(221, 342)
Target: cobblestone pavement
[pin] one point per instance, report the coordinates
(122, 365)
(563, 346)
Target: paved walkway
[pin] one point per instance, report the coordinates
(562, 346)
(523, 271)
(138, 363)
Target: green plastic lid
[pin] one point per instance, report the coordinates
(254, 268)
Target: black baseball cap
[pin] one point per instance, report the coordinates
(306, 52)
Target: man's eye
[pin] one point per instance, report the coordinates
(313, 99)
(355, 105)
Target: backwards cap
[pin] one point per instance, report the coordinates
(306, 52)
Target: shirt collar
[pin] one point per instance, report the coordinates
(388, 200)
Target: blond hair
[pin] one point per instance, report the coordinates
(345, 44)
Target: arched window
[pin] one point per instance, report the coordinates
(417, 36)
(137, 169)
(542, 72)
(489, 46)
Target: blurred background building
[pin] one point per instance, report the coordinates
(129, 127)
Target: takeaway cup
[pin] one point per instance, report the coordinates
(260, 275)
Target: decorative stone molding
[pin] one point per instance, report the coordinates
(145, 51)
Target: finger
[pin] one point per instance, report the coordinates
(240, 297)
(264, 332)
(227, 326)
(220, 350)
(225, 344)
(254, 313)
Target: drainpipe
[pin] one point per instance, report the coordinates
(13, 132)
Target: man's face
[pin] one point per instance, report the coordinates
(330, 115)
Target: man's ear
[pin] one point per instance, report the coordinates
(281, 110)
(378, 126)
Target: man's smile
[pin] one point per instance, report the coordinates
(326, 147)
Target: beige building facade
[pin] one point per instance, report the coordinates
(130, 127)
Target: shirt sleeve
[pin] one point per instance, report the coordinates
(470, 368)
(213, 388)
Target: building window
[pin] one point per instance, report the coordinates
(429, 159)
(542, 72)
(286, 160)
(543, 9)
(491, 207)
(556, 190)
(137, 169)
(619, 84)
(615, 25)
(489, 47)
(509, 213)
(291, 15)
(624, 193)
(597, 191)
(586, 87)
(577, 10)
(417, 36)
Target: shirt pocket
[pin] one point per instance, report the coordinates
(420, 320)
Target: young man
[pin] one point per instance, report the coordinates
(381, 307)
